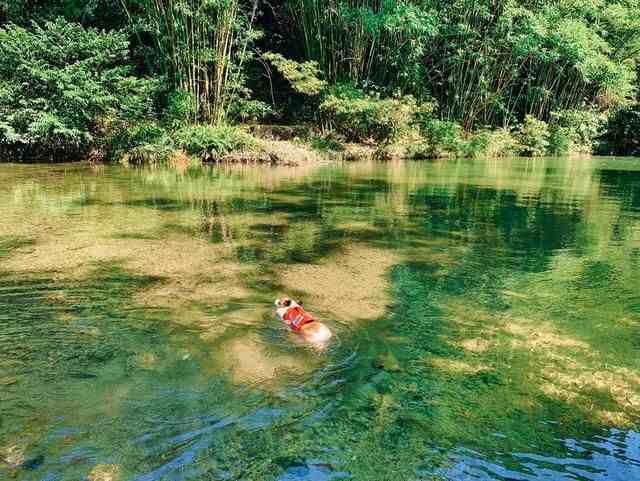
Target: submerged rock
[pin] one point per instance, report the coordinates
(8, 381)
(33, 463)
(350, 286)
(312, 471)
(14, 457)
(381, 381)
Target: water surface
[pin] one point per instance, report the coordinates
(487, 321)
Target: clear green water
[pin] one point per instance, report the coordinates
(487, 321)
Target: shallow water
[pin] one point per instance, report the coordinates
(486, 318)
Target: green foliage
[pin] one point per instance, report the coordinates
(203, 47)
(354, 65)
(249, 110)
(533, 137)
(210, 143)
(486, 63)
(96, 13)
(141, 143)
(304, 77)
(180, 109)
(362, 118)
(560, 141)
(326, 144)
(441, 138)
(574, 131)
(623, 132)
(364, 41)
(62, 86)
(489, 143)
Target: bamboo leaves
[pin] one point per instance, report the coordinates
(201, 45)
(361, 41)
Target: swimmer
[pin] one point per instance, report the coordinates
(300, 321)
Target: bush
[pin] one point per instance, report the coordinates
(489, 143)
(180, 110)
(211, 143)
(361, 118)
(501, 143)
(62, 86)
(574, 131)
(326, 144)
(303, 77)
(141, 143)
(533, 137)
(560, 141)
(623, 132)
(441, 137)
(249, 110)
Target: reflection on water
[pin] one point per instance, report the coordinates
(486, 318)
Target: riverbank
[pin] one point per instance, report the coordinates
(293, 145)
(415, 133)
(249, 144)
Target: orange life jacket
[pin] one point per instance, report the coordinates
(297, 317)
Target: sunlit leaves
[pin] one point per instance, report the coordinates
(58, 80)
(303, 76)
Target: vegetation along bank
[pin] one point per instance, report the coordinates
(148, 81)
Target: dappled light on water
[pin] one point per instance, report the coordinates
(485, 318)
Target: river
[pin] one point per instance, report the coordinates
(486, 317)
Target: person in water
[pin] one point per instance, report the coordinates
(301, 322)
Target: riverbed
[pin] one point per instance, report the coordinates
(486, 319)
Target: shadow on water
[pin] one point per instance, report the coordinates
(486, 324)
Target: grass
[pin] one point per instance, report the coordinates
(209, 143)
(325, 144)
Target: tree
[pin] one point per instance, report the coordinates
(61, 84)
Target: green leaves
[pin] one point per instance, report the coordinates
(58, 80)
(364, 41)
(303, 77)
(211, 143)
(623, 137)
(533, 137)
(202, 46)
(366, 119)
(487, 62)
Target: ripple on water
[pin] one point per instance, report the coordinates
(312, 470)
(613, 457)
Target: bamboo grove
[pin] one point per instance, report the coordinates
(486, 62)
(481, 64)
(200, 48)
